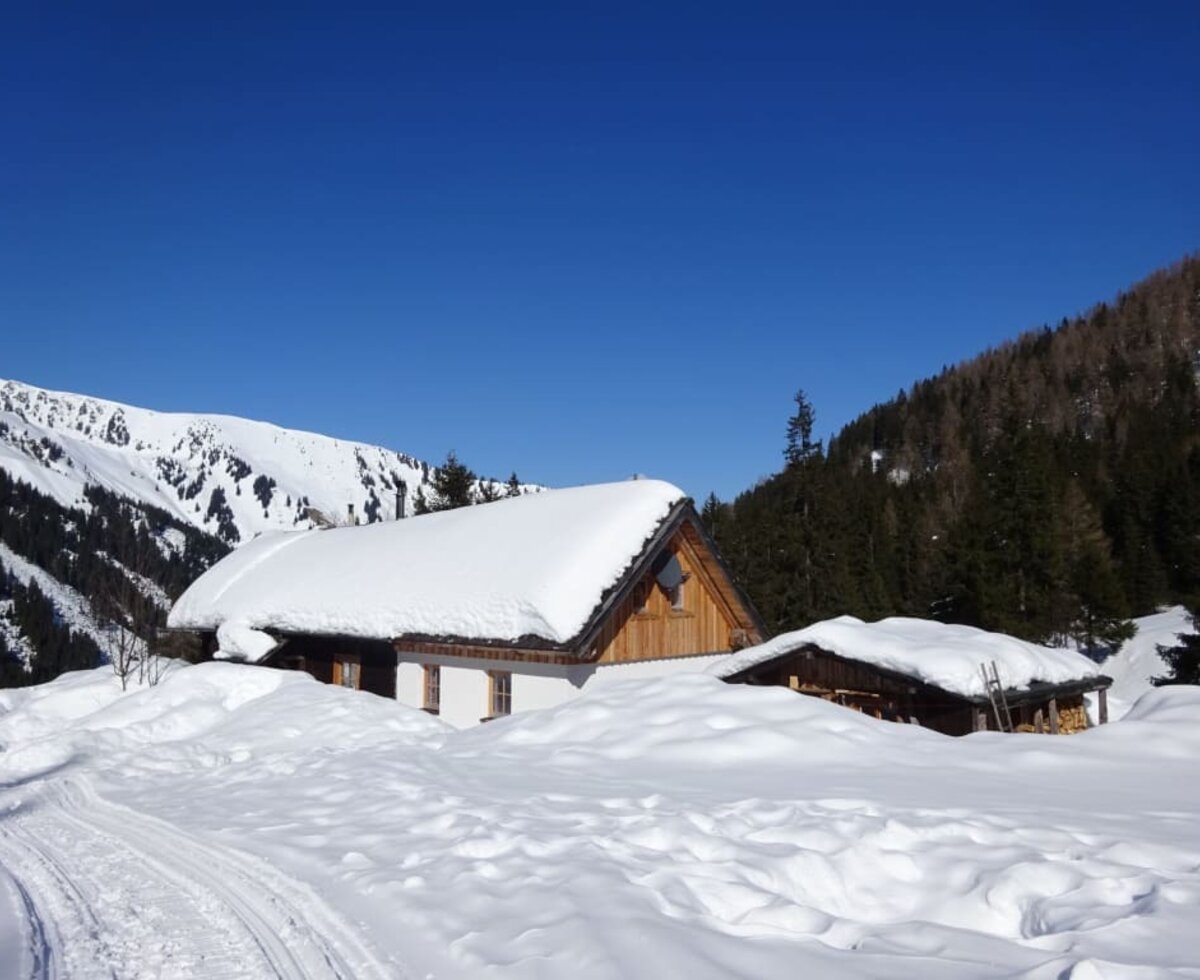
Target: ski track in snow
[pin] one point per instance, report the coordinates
(109, 893)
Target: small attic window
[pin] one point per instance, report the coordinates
(670, 576)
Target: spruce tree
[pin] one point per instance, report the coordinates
(710, 513)
(452, 485)
(1183, 659)
(800, 448)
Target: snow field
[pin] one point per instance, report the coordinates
(672, 827)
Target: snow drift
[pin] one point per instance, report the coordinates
(674, 827)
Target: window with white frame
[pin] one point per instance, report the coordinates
(501, 687)
(433, 688)
(347, 671)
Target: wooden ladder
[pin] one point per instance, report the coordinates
(995, 693)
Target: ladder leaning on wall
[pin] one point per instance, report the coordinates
(995, 693)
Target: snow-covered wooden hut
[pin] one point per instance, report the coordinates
(486, 610)
(928, 673)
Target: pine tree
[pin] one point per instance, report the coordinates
(1098, 616)
(513, 487)
(800, 448)
(452, 485)
(1183, 659)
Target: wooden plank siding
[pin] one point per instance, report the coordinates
(700, 550)
(646, 626)
(470, 652)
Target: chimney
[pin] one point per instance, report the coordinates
(400, 500)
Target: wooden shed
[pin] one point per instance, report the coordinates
(863, 667)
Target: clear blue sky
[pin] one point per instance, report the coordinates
(574, 244)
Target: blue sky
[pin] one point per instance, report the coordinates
(575, 244)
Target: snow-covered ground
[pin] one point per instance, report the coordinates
(1138, 660)
(238, 821)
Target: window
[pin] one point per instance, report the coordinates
(501, 686)
(347, 671)
(675, 594)
(433, 688)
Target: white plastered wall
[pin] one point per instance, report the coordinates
(464, 686)
(464, 682)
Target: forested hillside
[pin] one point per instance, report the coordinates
(72, 578)
(1049, 488)
(108, 511)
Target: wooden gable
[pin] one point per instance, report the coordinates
(708, 616)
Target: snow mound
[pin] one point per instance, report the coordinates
(85, 714)
(945, 656)
(689, 720)
(1176, 704)
(1134, 665)
(535, 565)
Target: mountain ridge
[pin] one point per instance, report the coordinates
(226, 475)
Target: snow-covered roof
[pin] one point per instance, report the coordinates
(531, 566)
(943, 655)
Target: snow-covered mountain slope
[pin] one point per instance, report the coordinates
(228, 476)
(239, 821)
(1138, 660)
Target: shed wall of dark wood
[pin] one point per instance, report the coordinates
(316, 655)
(860, 686)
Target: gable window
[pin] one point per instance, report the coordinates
(433, 688)
(347, 671)
(501, 691)
(671, 577)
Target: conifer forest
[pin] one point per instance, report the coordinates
(1049, 488)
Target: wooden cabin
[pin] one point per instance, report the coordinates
(658, 599)
(896, 687)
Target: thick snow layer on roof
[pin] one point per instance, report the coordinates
(535, 565)
(946, 656)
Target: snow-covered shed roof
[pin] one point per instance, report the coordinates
(943, 655)
(535, 566)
